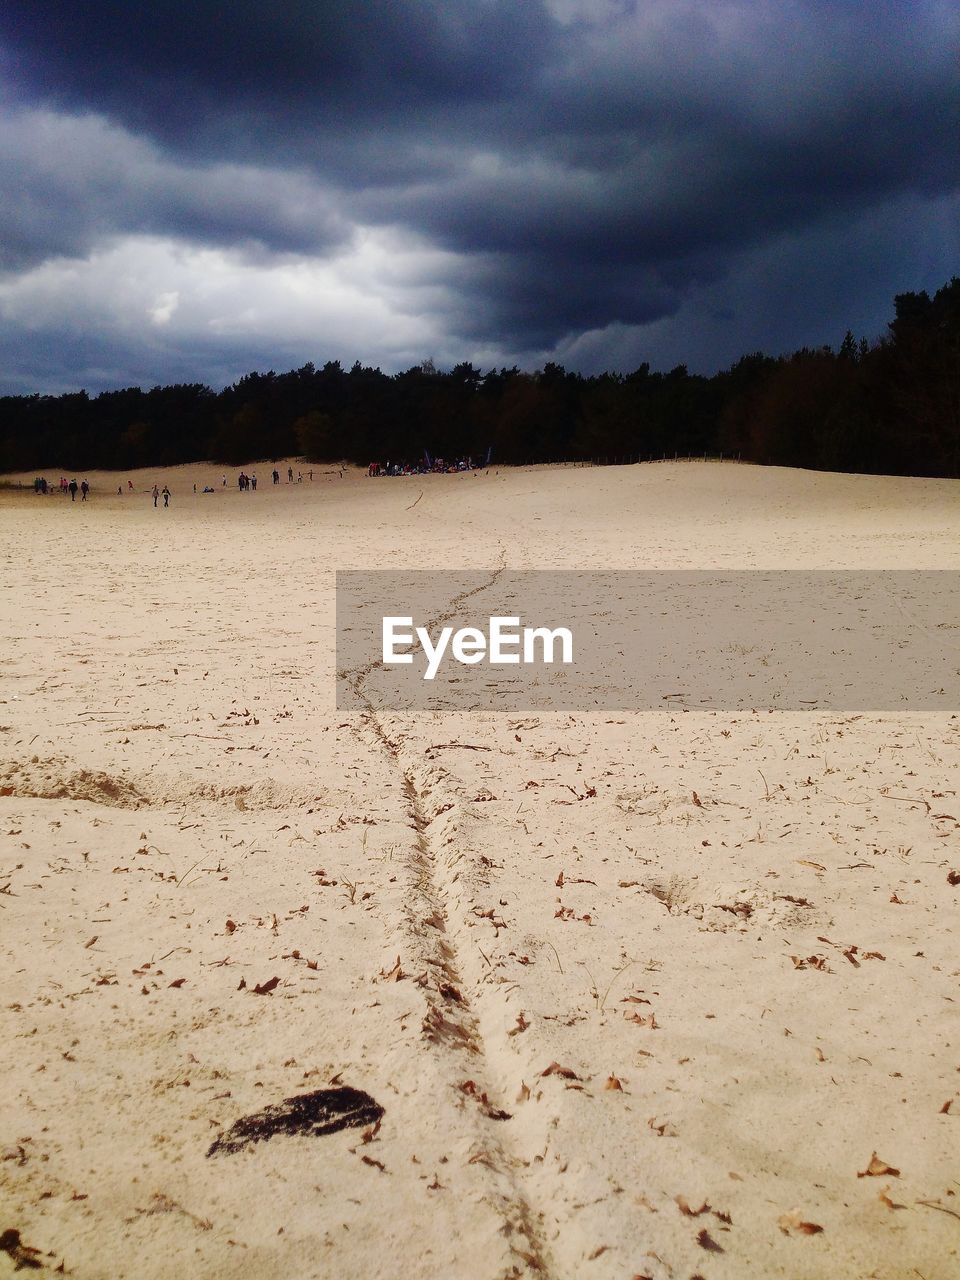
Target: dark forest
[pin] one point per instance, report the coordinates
(891, 407)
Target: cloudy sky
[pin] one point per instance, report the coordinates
(189, 191)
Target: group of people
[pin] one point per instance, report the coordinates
(244, 483)
(426, 466)
(42, 485)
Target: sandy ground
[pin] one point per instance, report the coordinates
(667, 995)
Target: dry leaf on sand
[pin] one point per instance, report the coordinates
(706, 1241)
(555, 1069)
(687, 1210)
(878, 1168)
(884, 1198)
(265, 988)
(794, 1223)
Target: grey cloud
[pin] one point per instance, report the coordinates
(69, 182)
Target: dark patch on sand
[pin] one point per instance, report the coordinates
(314, 1114)
(24, 1257)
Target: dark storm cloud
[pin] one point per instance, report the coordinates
(210, 74)
(664, 150)
(583, 165)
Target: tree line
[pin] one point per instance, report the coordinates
(891, 406)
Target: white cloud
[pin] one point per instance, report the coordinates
(367, 302)
(164, 307)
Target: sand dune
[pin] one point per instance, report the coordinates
(656, 994)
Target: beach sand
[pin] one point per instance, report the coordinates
(648, 994)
